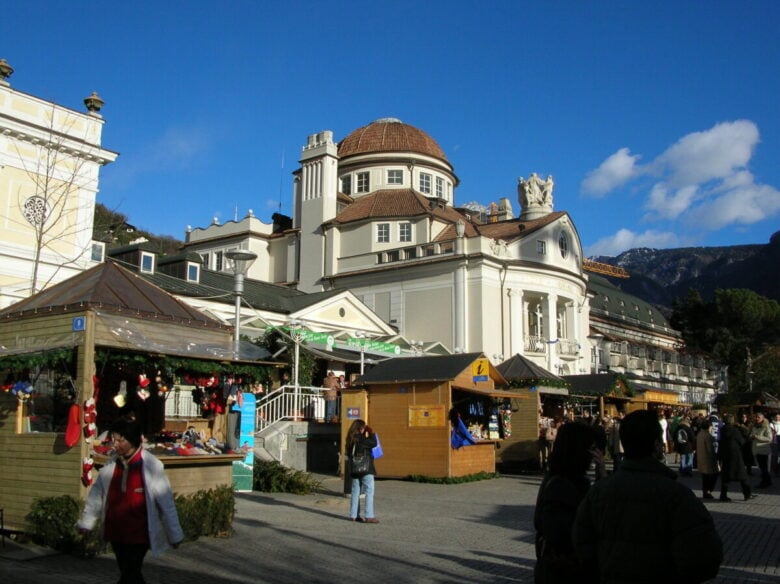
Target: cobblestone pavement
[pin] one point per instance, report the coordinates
(475, 532)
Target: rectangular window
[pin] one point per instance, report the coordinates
(98, 251)
(439, 187)
(393, 256)
(362, 183)
(218, 261)
(405, 232)
(383, 233)
(346, 184)
(425, 183)
(147, 263)
(205, 257)
(395, 177)
(541, 247)
(193, 270)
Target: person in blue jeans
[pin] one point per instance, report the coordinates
(683, 439)
(360, 442)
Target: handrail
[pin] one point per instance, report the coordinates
(285, 403)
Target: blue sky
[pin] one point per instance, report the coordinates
(659, 121)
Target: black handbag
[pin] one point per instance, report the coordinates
(360, 463)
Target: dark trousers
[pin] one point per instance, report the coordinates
(762, 461)
(130, 559)
(724, 489)
(708, 483)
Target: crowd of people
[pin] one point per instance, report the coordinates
(616, 528)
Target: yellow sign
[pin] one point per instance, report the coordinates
(480, 370)
(427, 416)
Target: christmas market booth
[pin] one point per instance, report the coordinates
(547, 400)
(102, 345)
(603, 394)
(436, 416)
(747, 402)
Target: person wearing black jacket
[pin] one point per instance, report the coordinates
(683, 440)
(361, 440)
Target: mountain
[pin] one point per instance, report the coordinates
(659, 276)
(113, 228)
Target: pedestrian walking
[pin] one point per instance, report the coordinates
(732, 465)
(761, 436)
(683, 440)
(133, 499)
(706, 458)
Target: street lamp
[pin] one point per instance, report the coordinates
(296, 334)
(241, 261)
(362, 336)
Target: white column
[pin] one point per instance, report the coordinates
(551, 332)
(516, 322)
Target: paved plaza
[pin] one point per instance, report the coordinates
(474, 532)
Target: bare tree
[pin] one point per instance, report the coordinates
(61, 169)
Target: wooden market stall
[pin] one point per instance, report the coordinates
(547, 400)
(610, 392)
(408, 402)
(56, 335)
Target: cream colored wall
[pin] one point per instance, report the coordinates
(42, 143)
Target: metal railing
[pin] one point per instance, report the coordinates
(287, 404)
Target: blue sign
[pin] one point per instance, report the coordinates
(79, 323)
(353, 413)
(243, 470)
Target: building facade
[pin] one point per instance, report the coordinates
(50, 160)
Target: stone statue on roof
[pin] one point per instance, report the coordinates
(535, 195)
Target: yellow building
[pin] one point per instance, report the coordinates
(50, 159)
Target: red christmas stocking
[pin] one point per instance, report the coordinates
(73, 430)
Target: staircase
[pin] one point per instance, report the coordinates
(284, 421)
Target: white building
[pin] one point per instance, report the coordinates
(50, 159)
(375, 214)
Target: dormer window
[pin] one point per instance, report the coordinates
(439, 187)
(541, 247)
(425, 183)
(193, 272)
(383, 233)
(147, 263)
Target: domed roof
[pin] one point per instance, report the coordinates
(390, 135)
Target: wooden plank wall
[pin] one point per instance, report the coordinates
(521, 446)
(409, 451)
(34, 466)
(480, 457)
(38, 464)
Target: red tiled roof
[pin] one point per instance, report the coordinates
(389, 135)
(395, 203)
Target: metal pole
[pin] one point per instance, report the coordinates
(296, 338)
(362, 358)
(238, 290)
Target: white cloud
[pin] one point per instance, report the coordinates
(612, 173)
(743, 204)
(626, 239)
(178, 147)
(714, 154)
(665, 204)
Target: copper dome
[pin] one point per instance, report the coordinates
(390, 135)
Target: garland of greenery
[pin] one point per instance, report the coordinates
(546, 382)
(18, 365)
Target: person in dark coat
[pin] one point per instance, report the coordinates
(706, 460)
(640, 525)
(560, 494)
(361, 440)
(732, 465)
(683, 441)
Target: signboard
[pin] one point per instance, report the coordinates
(372, 346)
(353, 413)
(307, 335)
(243, 469)
(427, 416)
(480, 370)
(79, 323)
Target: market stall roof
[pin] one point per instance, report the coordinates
(594, 384)
(110, 288)
(499, 393)
(519, 369)
(423, 368)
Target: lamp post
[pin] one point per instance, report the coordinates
(295, 334)
(241, 261)
(362, 336)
